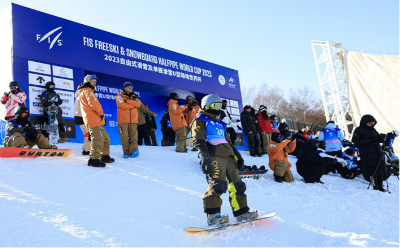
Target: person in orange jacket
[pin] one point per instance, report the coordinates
(127, 114)
(278, 158)
(178, 121)
(93, 117)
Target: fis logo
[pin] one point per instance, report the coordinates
(51, 41)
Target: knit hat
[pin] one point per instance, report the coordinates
(224, 100)
(246, 107)
(126, 84)
(262, 108)
(173, 95)
(331, 122)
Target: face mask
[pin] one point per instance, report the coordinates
(22, 120)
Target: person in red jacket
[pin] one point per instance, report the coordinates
(265, 126)
(13, 99)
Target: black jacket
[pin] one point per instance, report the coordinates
(282, 129)
(150, 122)
(247, 122)
(309, 161)
(367, 139)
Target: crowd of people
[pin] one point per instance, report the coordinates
(213, 136)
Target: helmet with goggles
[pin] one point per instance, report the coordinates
(211, 101)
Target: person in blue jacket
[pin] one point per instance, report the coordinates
(333, 138)
(351, 170)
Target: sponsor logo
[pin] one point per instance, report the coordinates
(221, 80)
(231, 83)
(69, 129)
(39, 68)
(37, 104)
(51, 41)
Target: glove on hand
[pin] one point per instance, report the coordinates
(6, 93)
(292, 138)
(382, 136)
(240, 163)
(32, 134)
(206, 165)
(344, 163)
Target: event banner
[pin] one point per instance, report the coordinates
(54, 40)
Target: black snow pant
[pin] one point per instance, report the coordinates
(381, 172)
(254, 144)
(168, 137)
(312, 174)
(232, 134)
(143, 134)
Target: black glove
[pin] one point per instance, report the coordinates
(206, 165)
(32, 134)
(292, 138)
(6, 93)
(239, 127)
(240, 163)
(382, 136)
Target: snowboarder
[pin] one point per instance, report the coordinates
(12, 99)
(93, 117)
(21, 133)
(220, 161)
(127, 114)
(48, 97)
(278, 159)
(368, 141)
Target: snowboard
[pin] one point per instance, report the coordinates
(252, 174)
(15, 152)
(223, 227)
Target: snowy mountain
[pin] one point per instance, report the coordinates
(148, 200)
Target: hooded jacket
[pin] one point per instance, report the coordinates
(367, 139)
(332, 136)
(127, 108)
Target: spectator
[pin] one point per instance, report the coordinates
(250, 130)
(283, 128)
(368, 141)
(167, 131)
(226, 117)
(265, 126)
(142, 127)
(79, 121)
(151, 127)
(333, 138)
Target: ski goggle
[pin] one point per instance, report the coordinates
(52, 86)
(372, 123)
(216, 105)
(13, 88)
(130, 87)
(23, 115)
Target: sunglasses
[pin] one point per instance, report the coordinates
(216, 105)
(130, 87)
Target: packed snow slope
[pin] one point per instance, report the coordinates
(149, 200)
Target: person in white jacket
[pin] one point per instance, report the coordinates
(226, 117)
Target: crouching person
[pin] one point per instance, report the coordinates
(21, 133)
(310, 165)
(351, 169)
(278, 158)
(218, 163)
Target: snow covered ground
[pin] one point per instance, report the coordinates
(147, 201)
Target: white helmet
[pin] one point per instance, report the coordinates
(208, 100)
(283, 120)
(395, 133)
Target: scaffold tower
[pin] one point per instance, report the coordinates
(334, 88)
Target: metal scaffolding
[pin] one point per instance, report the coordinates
(328, 61)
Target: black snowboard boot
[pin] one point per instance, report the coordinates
(96, 163)
(278, 178)
(107, 159)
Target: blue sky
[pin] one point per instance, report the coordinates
(266, 41)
